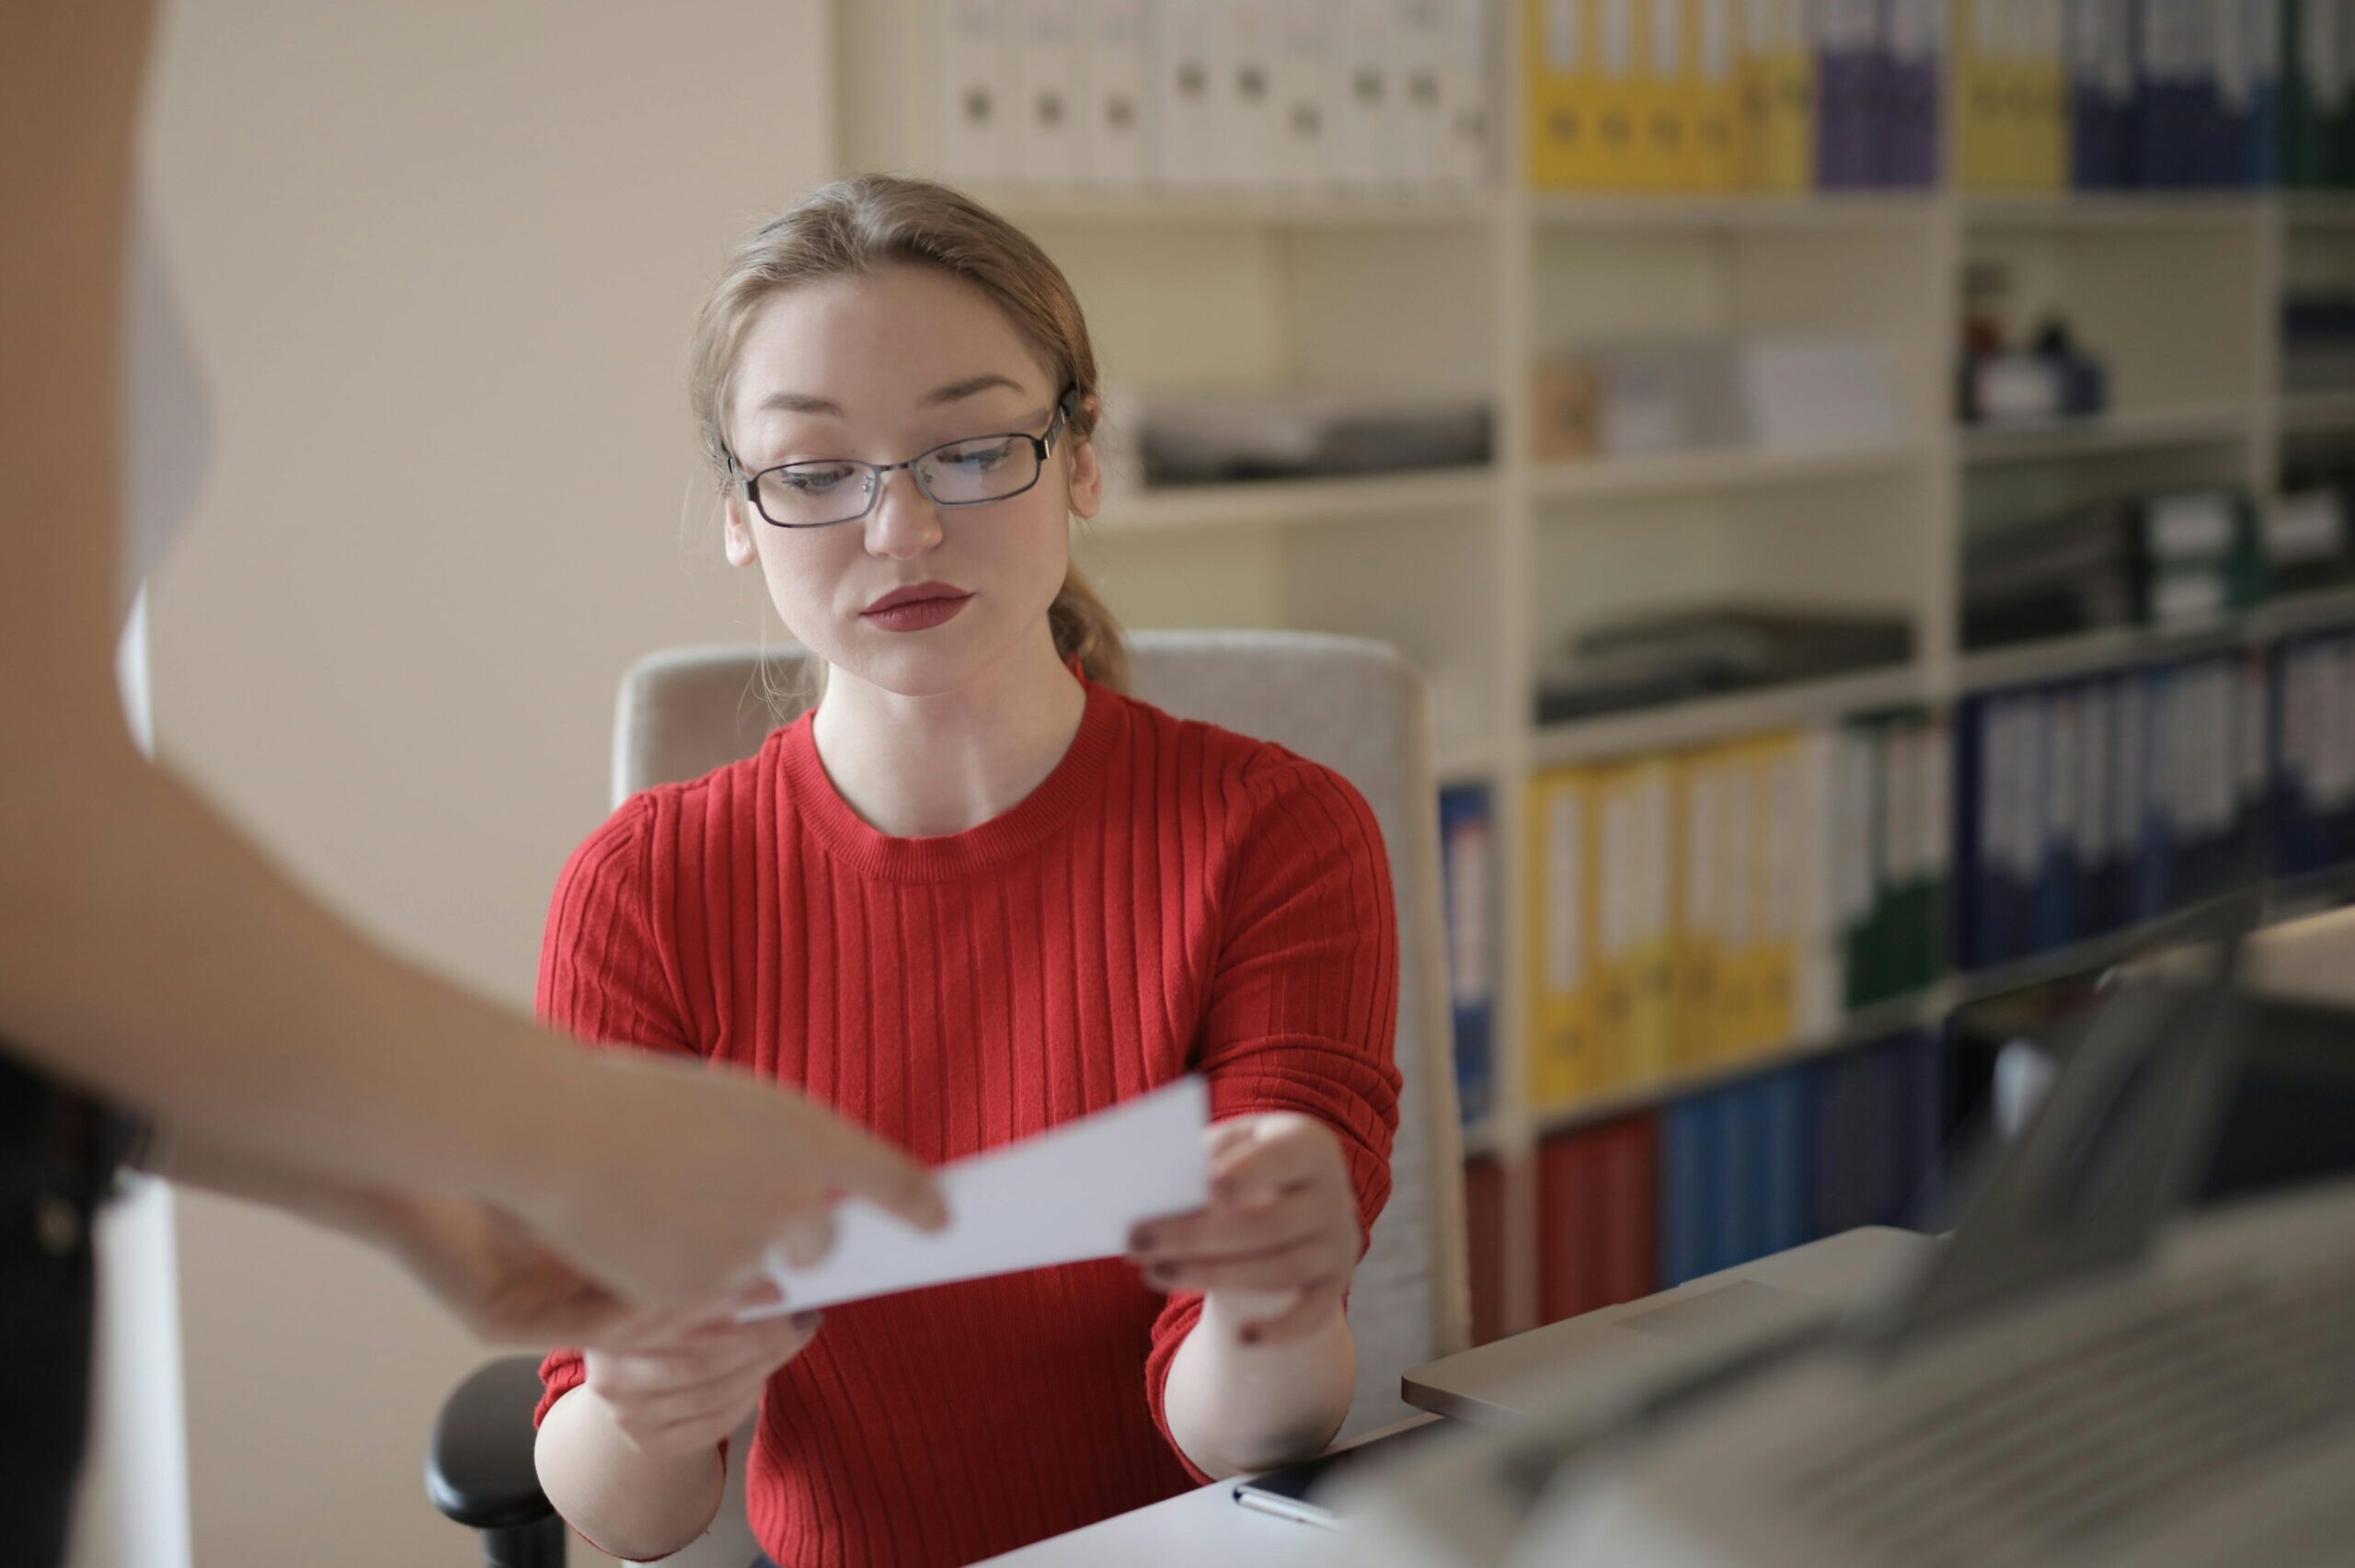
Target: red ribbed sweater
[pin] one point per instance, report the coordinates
(1173, 898)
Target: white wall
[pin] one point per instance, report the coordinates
(439, 258)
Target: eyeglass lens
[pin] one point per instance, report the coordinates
(810, 495)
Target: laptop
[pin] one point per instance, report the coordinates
(1615, 1356)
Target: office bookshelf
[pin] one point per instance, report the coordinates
(1474, 573)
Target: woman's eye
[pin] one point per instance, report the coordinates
(811, 481)
(987, 455)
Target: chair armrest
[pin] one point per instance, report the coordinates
(480, 1471)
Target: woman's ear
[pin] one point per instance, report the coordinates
(1086, 474)
(735, 533)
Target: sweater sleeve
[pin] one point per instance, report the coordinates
(1303, 1010)
(607, 977)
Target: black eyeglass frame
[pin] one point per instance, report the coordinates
(1066, 408)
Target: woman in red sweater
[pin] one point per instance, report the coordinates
(977, 892)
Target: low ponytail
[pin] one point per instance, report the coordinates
(1086, 629)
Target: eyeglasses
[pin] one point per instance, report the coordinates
(970, 473)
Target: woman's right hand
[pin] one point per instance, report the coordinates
(675, 1395)
(670, 1179)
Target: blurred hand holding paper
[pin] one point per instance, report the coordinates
(1071, 1194)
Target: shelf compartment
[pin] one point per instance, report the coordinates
(1463, 759)
(1233, 208)
(1704, 472)
(2122, 211)
(2122, 431)
(2129, 648)
(1279, 503)
(2317, 209)
(2092, 653)
(2318, 610)
(2316, 413)
(1671, 214)
(1674, 726)
(1862, 1027)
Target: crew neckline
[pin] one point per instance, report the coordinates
(1075, 779)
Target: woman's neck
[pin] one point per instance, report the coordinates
(925, 767)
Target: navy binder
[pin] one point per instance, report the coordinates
(1848, 90)
(1465, 828)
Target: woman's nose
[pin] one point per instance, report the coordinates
(905, 522)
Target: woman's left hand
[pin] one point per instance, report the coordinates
(1283, 1218)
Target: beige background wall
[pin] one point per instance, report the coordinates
(440, 257)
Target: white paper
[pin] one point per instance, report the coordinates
(1064, 1196)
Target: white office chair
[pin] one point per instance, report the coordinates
(1355, 706)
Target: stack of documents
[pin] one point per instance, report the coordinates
(1733, 95)
(1698, 908)
(2012, 87)
(2168, 94)
(1469, 870)
(2090, 805)
(1712, 650)
(1772, 392)
(2308, 545)
(2313, 795)
(1214, 437)
(2171, 558)
(1296, 94)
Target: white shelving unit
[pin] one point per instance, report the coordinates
(2212, 424)
(1069, 206)
(1281, 504)
(1676, 726)
(1474, 573)
(1715, 473)
(2318, 413)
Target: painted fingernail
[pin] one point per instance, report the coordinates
(1161, 1274)
(1251, 1336)
(1141, 1238)
(807, 1322)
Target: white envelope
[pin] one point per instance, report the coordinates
(1064, 1196)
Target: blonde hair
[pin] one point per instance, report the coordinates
(863, 226)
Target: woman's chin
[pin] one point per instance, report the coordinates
(912, 666)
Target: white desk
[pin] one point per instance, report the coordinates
(1206, 1526)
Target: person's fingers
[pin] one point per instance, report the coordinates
(763, 1296)
(1293, 1266)
(732, 1381)
(723, 1381)
(651, 1415)
(1228, 1137)
(888, 1177)
(701, 1433)
(650, 1331)
(696, 1353)
(1280, 1156)
(808, 1237)
(742, 1363)
(671, 1358)
(1310, 1311)
(676, 1428)
(1226, 1232)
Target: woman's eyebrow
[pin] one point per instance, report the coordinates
(955, 392)
(799, 403)
(958, 391)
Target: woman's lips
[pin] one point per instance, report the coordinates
(917, 614)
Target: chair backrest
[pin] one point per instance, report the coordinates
(1355, 706)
